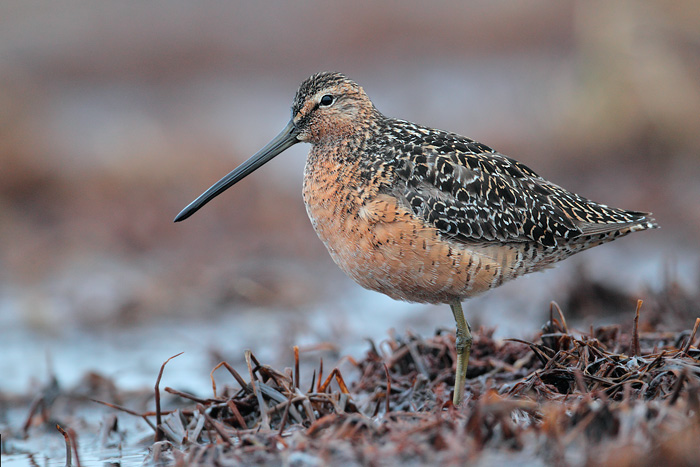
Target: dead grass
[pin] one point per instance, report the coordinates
(564, 398)
(613, 395)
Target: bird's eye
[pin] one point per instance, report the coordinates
(326, 100)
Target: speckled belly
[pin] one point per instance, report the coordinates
(384, 247)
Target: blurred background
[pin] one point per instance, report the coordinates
(115, 115)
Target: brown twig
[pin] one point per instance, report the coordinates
(338, 378)
(33, 408)
(296, 366)
(313, 382)
(66, 438)
(74, 442)
(211, 377)
(185, 395)
(255, 360)
(236, 413)
(214, 424)
(42, 403)
(237, 376)
(286, 414)
(635, 336)
(691, 339)
(388, 388)
(555, 305)
(159, 430)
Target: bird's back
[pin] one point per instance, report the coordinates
(472, 193)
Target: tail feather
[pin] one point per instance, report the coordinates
(639, 221)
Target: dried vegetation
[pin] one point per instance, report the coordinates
(613, 395)
(605, 396)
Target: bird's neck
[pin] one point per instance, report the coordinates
(350, 146)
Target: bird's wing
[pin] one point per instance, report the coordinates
(474, 194)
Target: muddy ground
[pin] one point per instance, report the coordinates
(626, 394)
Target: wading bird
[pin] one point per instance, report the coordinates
(422, 214)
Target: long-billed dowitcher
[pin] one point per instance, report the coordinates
(421, 214)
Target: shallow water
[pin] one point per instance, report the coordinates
(132, 356)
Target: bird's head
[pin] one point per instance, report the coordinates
(327, 107)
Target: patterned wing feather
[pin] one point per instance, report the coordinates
(474, 194)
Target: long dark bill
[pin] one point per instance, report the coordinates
(286, 138)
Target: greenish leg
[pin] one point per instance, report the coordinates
(464, 347)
